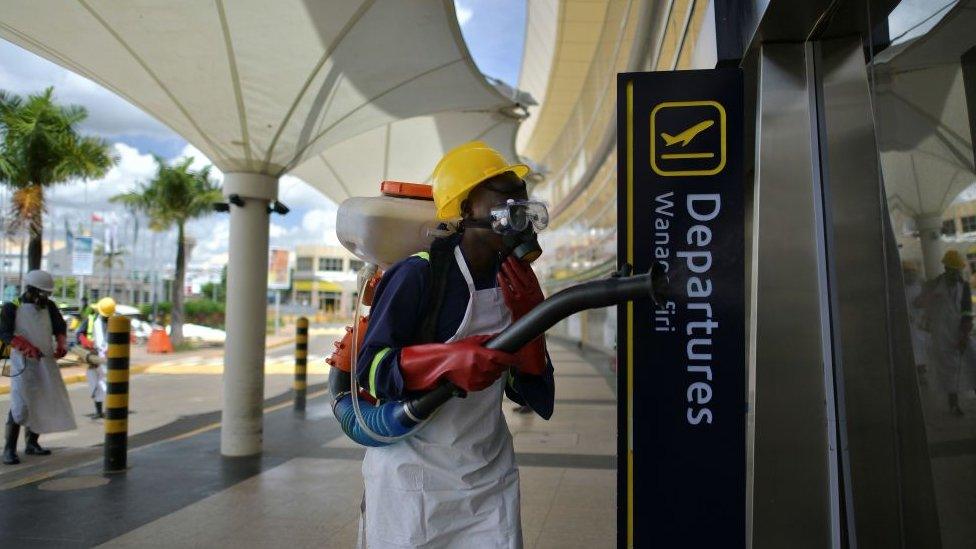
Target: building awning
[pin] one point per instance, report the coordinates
(316, 286)
(264, 86)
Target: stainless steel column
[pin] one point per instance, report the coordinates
(889, 494)
(794, 500)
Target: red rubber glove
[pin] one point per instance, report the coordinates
(519, 286)
(522, 293)
(464, 363)
(86, 343)
(25, 347)
(62, 346)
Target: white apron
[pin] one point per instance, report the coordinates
(38, 397)
(96, 375)
(453, 483)
(943, 313)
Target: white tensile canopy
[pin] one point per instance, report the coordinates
(260, 87)
(923, 123)
(404, 150)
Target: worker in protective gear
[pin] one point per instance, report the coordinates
(454, 483)
(93, 335)
(36, 332)
(949, 318)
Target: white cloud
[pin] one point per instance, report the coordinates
(110, 116)
(296, 193)
(464, 13)
(277, 231)
(319, 226)
(133, 168)
(200, 161)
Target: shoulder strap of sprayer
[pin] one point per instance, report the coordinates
(441, 258)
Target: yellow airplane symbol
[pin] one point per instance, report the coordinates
(686, 136)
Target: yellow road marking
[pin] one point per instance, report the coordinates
(177, 366)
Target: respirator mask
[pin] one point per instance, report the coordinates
(36, 296)
(517, 221)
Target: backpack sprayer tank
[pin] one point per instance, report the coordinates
(385, 229)
(380, 230)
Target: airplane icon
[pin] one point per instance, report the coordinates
(686, 136)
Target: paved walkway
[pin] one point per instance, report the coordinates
(305, 490)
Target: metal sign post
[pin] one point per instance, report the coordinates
(682, 475)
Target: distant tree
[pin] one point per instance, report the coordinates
(216, 291)
(40, 147)
(110, 259)
(174, 196)
(66, 286)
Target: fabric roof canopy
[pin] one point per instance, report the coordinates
(263, 86)
(923, 122)
(406, 150)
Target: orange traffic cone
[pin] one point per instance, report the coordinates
(159, 342)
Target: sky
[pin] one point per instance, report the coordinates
(493, 30)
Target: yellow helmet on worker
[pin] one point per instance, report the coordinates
(952, 259)
(462, 169)
(106, 306)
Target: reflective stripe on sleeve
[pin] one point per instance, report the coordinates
(377, 358)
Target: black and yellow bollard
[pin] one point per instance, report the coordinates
(301, 363)
(117, 396)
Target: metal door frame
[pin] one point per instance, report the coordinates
(836, 440)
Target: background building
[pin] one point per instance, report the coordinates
(324, 280)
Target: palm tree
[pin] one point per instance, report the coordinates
(41, 147)
(175, 195)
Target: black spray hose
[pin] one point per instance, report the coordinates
(589, 295)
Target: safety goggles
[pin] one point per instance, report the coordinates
(515, 216)
(41, 293)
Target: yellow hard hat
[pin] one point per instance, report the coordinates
(106, 306)
(953, 260)
(464, 168)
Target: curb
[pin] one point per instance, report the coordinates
(139, 368)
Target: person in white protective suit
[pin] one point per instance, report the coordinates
(949, 317)
(36, 332)
(93, 335)
(454, 483)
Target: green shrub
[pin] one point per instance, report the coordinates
(164, 307)
(204, 312)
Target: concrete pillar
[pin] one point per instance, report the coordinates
(247, 286)
(929, 233)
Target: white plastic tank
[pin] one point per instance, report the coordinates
(385, 229)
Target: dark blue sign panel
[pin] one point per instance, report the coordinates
(682, 363)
